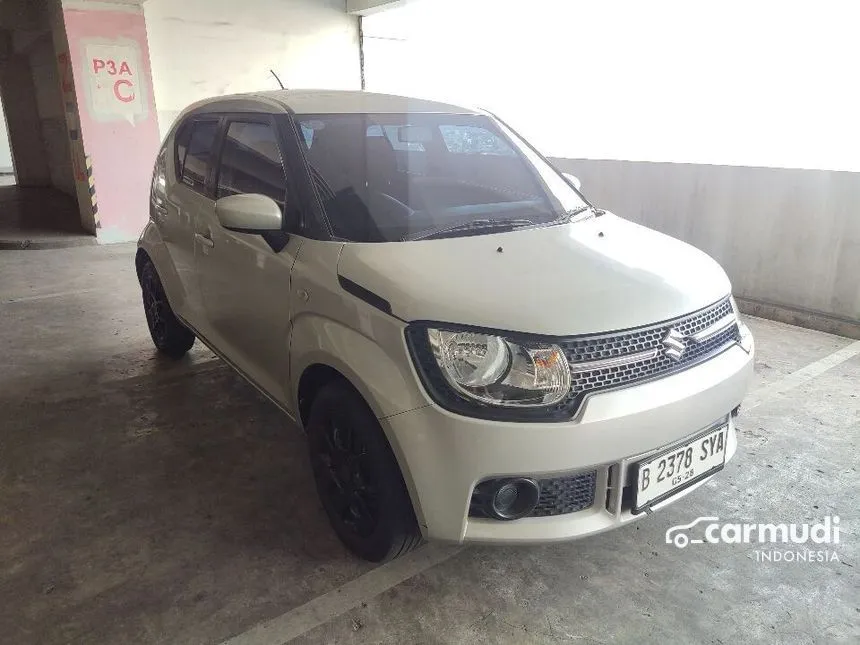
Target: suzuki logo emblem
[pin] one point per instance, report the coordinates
(674, 344)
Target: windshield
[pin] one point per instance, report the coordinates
(390, 177)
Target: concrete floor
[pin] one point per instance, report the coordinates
(146, 501)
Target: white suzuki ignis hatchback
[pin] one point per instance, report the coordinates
(475, 352)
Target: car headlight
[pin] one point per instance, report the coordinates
(498, 371)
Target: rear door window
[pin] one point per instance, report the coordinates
(193, 153)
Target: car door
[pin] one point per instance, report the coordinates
(244, 278)
(187, 196)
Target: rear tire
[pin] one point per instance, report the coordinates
(169, 335)
(357, 476)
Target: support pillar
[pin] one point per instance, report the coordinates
(103, 57)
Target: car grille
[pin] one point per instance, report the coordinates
(634, 345)
(558, 495)
(565, 494)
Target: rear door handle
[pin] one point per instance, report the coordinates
(205, 240)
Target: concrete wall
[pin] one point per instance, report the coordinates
(5, 148)
(77, 153)
(22, 115)
(51, 112)
(34, 111)
(202, 48)
(789, 239)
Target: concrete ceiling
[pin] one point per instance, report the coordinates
(367, 7)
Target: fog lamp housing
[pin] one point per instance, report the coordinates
(507, 498)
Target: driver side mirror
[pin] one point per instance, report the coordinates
(574, 180)
(249, 213)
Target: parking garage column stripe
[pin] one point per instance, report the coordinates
(801, 376)
(323, 609)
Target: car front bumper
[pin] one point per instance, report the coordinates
(444, 455)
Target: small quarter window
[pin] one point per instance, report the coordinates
(307, 135)
(193, 152)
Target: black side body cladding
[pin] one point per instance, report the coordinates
(365, 294)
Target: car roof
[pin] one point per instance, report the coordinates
(324, 102)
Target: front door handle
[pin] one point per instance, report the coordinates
(205, 240)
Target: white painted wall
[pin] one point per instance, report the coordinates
(203, 48)
(738, 82)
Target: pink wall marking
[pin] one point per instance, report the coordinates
(113, 85)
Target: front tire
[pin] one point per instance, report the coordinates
(169, 335)
(357, 476)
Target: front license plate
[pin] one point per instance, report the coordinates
(663, 476)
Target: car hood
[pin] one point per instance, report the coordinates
(596, 275)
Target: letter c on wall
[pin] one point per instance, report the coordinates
(125, 98)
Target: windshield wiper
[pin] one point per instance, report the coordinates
(474, 225)
(569, 216)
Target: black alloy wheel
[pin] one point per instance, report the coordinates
(169, 335)
(357, 476)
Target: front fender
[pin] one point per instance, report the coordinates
(379, 367)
